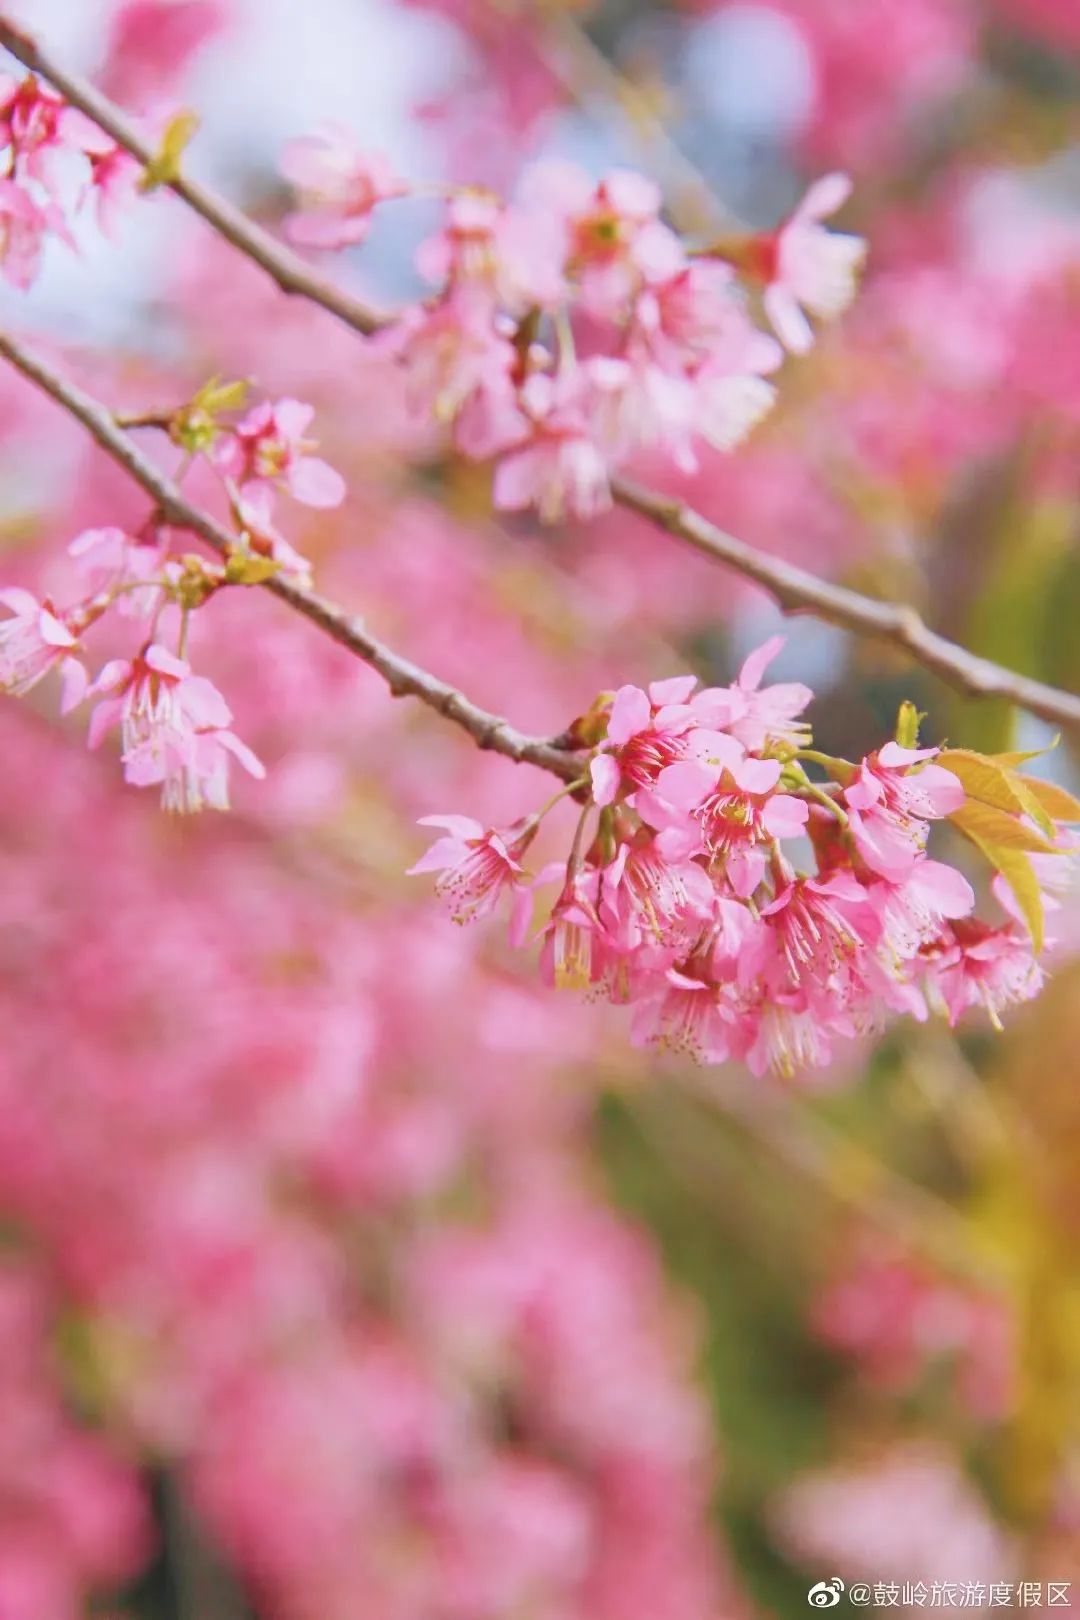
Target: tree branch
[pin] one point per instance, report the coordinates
(795, 589)
(292, 273)
(798, 591)
(404, 678)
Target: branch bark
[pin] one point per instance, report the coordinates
(794, 589)
(404, 678)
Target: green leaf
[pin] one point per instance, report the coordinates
(1057, 801)
(215, 395)
(908, 721)
(164, 167)
(244, 568)
(988, 781)
(987, 824)
(1018, 872)
(1021, 758)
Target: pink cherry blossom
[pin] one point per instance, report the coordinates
(615, 239)
(109, 557)
(811, 268)
(174, 729)
(681, 1014)
(754, 715)
(113, 183)
(454, 357)
(151, 45)
(645, 732)
(24, 225)
(340, 185)
(975, 965)
(36, 124)
(269, 447)
(734, 814)
(33, 641)
(558, 468)
(477, 865)
(893, 797)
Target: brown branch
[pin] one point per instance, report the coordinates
(292, 273)
(795, 589)
(798, 591)
(404, 678)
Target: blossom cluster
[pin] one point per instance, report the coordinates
(683, 897)
(371, 1301)
(53, 160)
(574, 327)
(175, 725)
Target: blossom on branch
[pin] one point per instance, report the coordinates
(174, 729)
(682, 894)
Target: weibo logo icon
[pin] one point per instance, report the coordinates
(826, 1594)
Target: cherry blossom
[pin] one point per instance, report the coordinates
(476, 864)
(268, 448)
(35, 640)
(809, 267)
(685, 900)
(890, 806)
(174, 729)
(340, 185)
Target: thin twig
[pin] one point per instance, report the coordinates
(795, 589)
(404, 678)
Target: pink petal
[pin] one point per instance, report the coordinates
(165, 662)
(517, 481)
(745, 870)
(824, 197)
(21, 603)
(463, 827)
(757, 775)
(685, 784)
(521, 910)
(242, 754)
(444, 852)
(785, 816)
(102, 719)
(677, 689)
(316, 483)
(606, 776)
(203, 704)
(944, 790)
(630, 713)
(73, 684)
(715, 748)
(292, 417)
(789, 322)
(52, 632)
(950, 891)
(117, 672)
(894, 757)
(758, 662)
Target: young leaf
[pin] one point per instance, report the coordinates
(1055, 800)
(989, 782)
(244, 568)
(164, 166)
(987, 824)
(908, 721)
(1018, 872)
